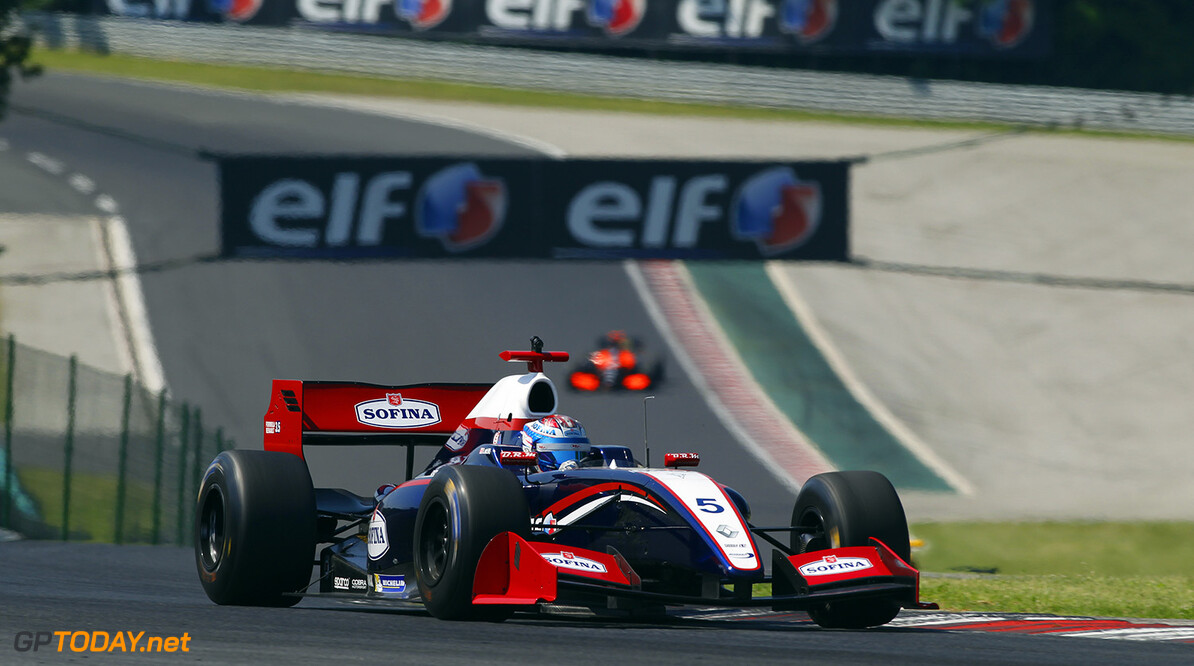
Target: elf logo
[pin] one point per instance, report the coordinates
(421, 14)
(424, 14)
(776, 210)
(615, 17)
(460, 207)
(1004, 23)
(457, 206)
(809, 20)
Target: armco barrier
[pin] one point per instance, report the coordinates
(299, 47)
(91, 456)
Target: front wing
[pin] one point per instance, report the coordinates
(514, 571)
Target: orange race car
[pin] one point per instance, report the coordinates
(616, 365)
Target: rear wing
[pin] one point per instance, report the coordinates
(303, 413)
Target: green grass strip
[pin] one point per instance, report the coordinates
(1111, 549)
(1162, 597)
(266, 79)
(93, 502)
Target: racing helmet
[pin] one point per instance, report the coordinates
(559, 440)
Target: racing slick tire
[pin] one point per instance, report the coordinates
(482, 502)
(847, 509)
(255, 528)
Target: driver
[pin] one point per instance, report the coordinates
(559, 440)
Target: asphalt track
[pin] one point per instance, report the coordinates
(97, 587)
(225, 330)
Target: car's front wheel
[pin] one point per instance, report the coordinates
(841, 509)
(463, 508)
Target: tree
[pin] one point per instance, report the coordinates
(14, 51)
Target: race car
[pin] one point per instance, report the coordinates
(616, 365)
(486, 531)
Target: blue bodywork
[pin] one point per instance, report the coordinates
(614, 506)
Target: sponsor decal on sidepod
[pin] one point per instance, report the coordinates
(832, 564)
(379, 539)
(384, 583)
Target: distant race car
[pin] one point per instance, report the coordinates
(485, 532)
(616, 365)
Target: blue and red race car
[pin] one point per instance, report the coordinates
(484, 532)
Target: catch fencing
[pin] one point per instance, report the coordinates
(93, 456)
(303, 47)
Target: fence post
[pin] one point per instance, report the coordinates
(69, 447)
(10, 473)
(159, 450)
(122, 469)
(198, 456)
(185, 435)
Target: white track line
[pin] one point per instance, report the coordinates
(124, 351)
(860, 392)
(82, 184)
(147, 366)
(46, 163)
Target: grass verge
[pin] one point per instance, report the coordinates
(93, 506)
(1143, 569)
(264, 79)
(1107, 569)
(1167, 597)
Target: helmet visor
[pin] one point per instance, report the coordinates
(549, 460)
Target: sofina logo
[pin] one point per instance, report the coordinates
(424, 14)
(616, 17)
(832, 564)
(384, 413)
(567, 560)
(1006, 22)
(460, 207)
(379, 539)
(776, 210)
(809, 20)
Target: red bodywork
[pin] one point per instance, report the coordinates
(514, 571)
(301, 412)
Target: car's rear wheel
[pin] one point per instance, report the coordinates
(842, 509)
(255, 528)
(463, 508)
